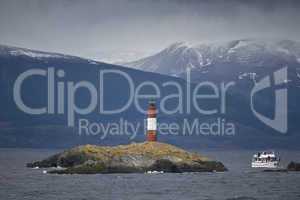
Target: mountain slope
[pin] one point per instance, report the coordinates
(244, 62)
(19, 129)
(23, 52)
(203, 58)
(51, 130)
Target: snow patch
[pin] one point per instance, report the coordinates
(250, 75)
(282, 50)
(191, 66)
(208, 61)
(179, 45)
(92, 62)
(241, 43)
(298, 75)
(34, 54)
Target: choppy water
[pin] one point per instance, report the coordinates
(241, 182)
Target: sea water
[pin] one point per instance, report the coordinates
(240, 182)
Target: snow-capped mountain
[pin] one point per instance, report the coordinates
(241, 62)
(244, 54)
(16, 51)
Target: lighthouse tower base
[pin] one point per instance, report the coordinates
(151, 136)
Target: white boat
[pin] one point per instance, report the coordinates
(154, 172)
(265, 160)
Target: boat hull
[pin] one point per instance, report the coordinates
(264, 164)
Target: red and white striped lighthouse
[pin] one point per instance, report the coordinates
(151, 123)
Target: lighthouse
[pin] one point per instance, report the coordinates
(151, 123)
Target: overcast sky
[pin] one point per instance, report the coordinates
(114, 30)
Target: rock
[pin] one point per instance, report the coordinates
(293, 166)
(132, 158)
(275, 170)
(49, 162)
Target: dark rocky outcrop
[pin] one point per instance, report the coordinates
(132, 158)
(293, 166)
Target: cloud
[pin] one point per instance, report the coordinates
(87, 27)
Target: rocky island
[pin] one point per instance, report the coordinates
(131, 158)
(293, 166)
